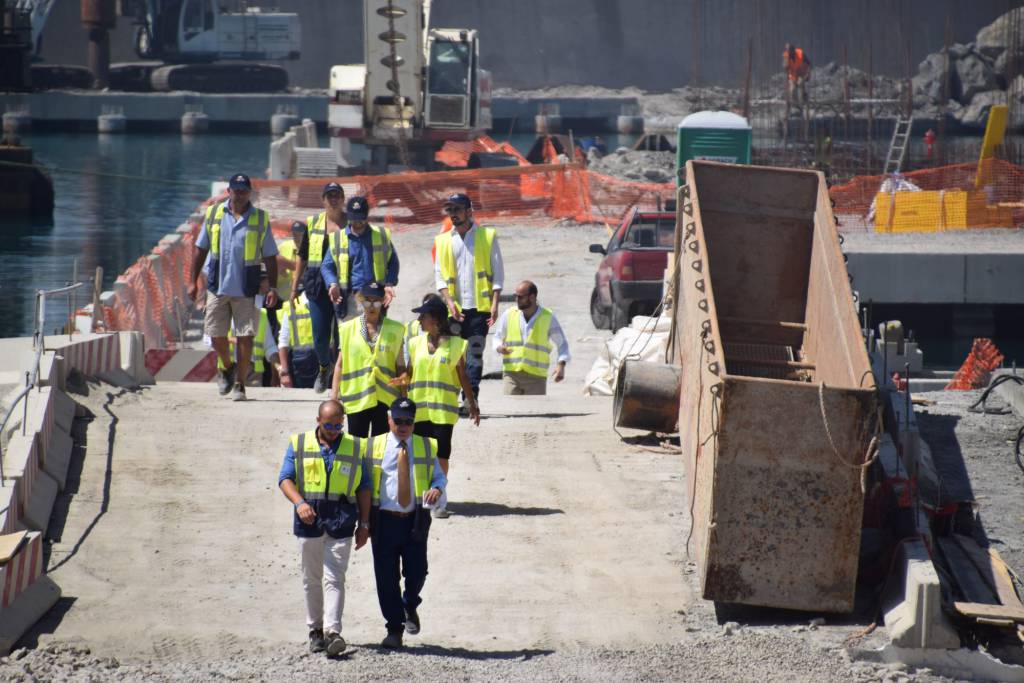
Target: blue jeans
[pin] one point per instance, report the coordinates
(321, 314)
(474, 330)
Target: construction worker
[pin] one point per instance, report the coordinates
(798, 72)
(299, 363)
(237, 237)
(369, 357)
(524, 336)
(264, 344)
(436, 370)
(469, 274)
(358, 254)
(325, 478)
(406, 479)
(312, 245)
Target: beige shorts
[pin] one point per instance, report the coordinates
(523, 384)
(222, 310)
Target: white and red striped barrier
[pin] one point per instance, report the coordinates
(97, 354)
(22, 570)
(181, 365)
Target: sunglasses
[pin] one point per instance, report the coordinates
(332, 426)
(403, 421)
(452, 210)
(372, 304)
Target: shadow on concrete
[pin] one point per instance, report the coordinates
(48, 624)
(748, 615)
(62, 505)
(498, 510)
(461, 652)
(505, 416)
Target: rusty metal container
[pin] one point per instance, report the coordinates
(646, 396)
(778, 403)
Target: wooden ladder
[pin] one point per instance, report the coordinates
(899, 144)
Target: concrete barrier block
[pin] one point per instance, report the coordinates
(913, 613)
(1011, 391)
(10, 505)
(133, 357)
(28, 608)
(64, 409)
(22, 463)
(57, 457)
(40, 502)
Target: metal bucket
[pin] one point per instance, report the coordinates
(647, 396)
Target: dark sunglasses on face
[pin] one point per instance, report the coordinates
(332, 426)
(403, 421)
(452, 210)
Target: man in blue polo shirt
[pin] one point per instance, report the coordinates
(354, 249)
(237, 237)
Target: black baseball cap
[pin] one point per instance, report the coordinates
(332, 187)
(403, 407)
(239, 181)
(372, 289)
(459, 199)
(357, 209)
(432, 305)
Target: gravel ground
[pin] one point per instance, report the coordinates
(649, 167)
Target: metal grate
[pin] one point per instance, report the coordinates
(737, 352)
(447, 110)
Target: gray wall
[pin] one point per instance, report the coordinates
(652, 44)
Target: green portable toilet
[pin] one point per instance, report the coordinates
(713, 136)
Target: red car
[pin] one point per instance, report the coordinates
(628, 281)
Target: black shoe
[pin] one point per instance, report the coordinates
(392, 641)
(335, 644)
(412, 621)
(322, 379)
(316, 640)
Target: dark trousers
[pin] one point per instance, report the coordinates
(398, 552)
(375, 418)
(474, 330)
(442, 433)
(303, 365)
(321, 315)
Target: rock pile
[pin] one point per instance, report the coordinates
(981, 73)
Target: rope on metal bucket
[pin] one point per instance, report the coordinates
(874, 446)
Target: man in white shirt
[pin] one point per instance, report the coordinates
(525, 336)
(406, 480)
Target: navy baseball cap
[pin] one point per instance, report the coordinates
(372, 289)
(332, 187)
(432, 305)
(459, 199)
(403, 407)
(239, 181)
(357, 209)
(298, 226)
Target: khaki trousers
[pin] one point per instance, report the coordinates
(523, 384)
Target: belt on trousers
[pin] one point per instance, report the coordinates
(400, 515)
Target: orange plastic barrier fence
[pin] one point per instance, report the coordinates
(977, 368)
(934, 199)
(456, 153)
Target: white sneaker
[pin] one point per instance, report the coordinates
(440, 513)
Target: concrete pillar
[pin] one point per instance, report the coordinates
(194, 122)
(99, 57)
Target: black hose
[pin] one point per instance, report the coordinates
(1016, 449)
(995, 383)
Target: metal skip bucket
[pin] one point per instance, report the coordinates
(647, 396)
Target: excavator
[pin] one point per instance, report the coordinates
(418, 87)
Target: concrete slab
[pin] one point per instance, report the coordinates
(40, 502)
(133, 357)
(26, 610)
(58, 457)
(1010, 391)
(64, 409)
(913, 610)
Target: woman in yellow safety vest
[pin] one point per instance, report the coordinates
(369, 357)
(436, 361)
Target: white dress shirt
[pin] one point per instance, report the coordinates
(465, 267)
(389, 477)
(555, 334)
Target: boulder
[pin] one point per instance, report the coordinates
(973, 75)
(995, 38)
(1009, 62)
(975, 114)
(927, 83)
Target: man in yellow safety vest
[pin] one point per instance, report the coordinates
(524, 336)
(325, 477)
(469, 275)
(238, 239)
(299, 365)
(406, 481)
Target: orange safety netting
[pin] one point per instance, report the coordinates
(523, 195)
(977, 368)
(956, 197)
(456, 153)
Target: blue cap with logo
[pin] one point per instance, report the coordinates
(332, 187)
(357, 209)
(459, 199)
(403, 407)
(372, 289)
(239, 181)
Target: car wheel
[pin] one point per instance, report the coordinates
(619, 317)
(598, 315)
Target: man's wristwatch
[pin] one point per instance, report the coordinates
(285, 373)
(364, 525)
(300, 504)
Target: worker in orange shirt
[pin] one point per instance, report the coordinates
(798, 71)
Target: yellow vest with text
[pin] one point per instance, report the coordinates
(482, 244)
(300, 325)
(366, 371)
(435, 379)
(533, 354)
(422, 463)
(258, 345)
(311, 476)
(256, 227)
(380, 245)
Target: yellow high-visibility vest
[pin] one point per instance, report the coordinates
(317, 236)
(380, 246)
(300, 325)
(422, 464)
(532, 355)
(435, 379)
(482, 244)
(366, 371)
(255, 231)
(311, 476)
